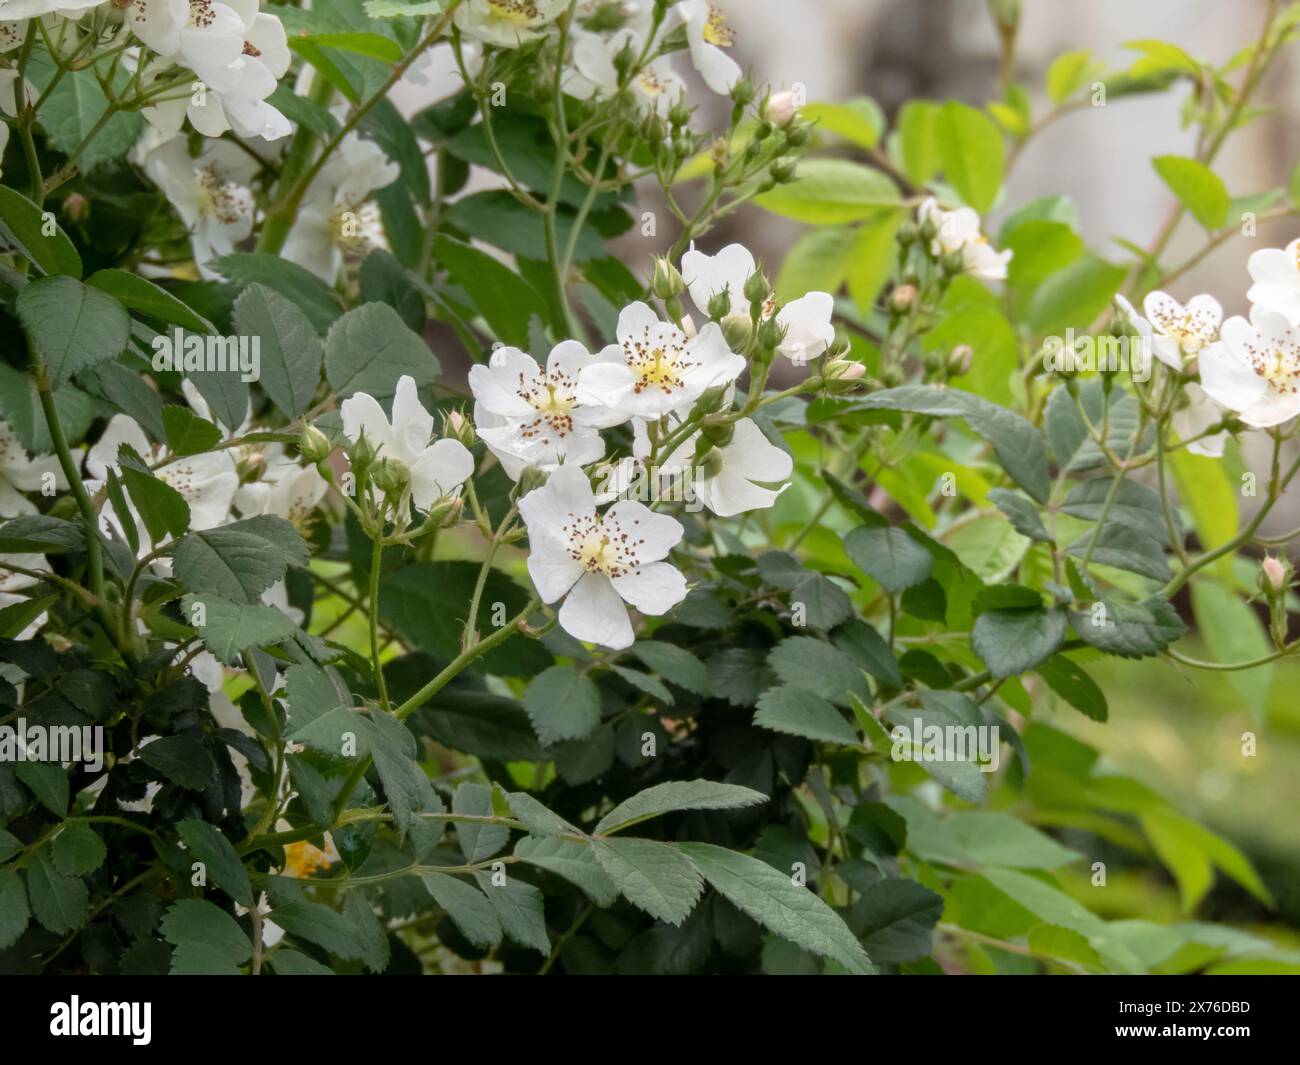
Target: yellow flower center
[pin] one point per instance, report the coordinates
(516, 12)
(716, 30)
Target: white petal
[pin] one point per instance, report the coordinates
(565, 495)
(551, 567)
(653, 535)
(120, 430)
(729, 494)
(438, 471)
(1228, 377)
(753, 455)
(594, 612)
(412, 424)
(362, 414)
(707, 275)
(809, 330)
(653, 589)
(606, 387)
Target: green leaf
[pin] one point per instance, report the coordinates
(796, 712)
(773, 900)
(187, 433)
(1067, 432)
(369, 931)
(676, 795)
(539, 821)
(971, 152)
(162, 509)
(1135, 505)
(955, 761)
(518, 906)
(872, 258)
(674, 664)
(48, 782)
(1130, 630)
(1197, 187)
(370, 348)
(1233, 632)
(196, 922)
(75, 107)
(406, 785)
(574, 862)
(61, 903)
(477, 841)
(895, 918)
(209, 846)
(819, 261)
(857, 120)
(240, 561)
(23, 226)
(291, 351)
(384, 280)
(562, 704)
(1068, 74)
(149, 300)
(298, 285)
(1069, 680)
(1065, 944)
(889, 555)
(77, 850)
(655, 877)
(831, 192)
(231, 628)
(20, 406)
(869, 650)
(288, 962)
(916, 140)
(1074, 296)
(817, 666)
(372, 45)
(1211, 501)
(1124, 548)
(320, 925)
(181, 758)
(40, 534)
(1018, 444)
(71, 327)
(1012, 641)
(505, 300)
(1024, 516)
(468, 908)
(14, 913)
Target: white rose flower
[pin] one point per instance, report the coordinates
(1255, 369)
(807, 321)
(1179, 333)
(1276, 273)
(959, 230)
(21, 472)
(732, 478)
(707, 35)
(528, 416)
(508, 23)
(437, 468)
(654, 369)
(598, 563)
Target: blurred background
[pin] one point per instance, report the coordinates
(1178, 730)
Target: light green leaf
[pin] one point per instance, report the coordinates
(831, 192)
(971, 152)
(1197, 187)
(676, 795)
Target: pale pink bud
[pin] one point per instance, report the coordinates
(781, 107)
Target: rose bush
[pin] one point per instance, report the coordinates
(717, 619)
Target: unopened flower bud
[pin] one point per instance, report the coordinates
(447, 512)
(1274, 576)
(679, 114)
(902, 299)
(391, 477)
(959, 359)
(843, 375)
(952, 263)
(361, 455)
(313, 445)
(927, 230)
(720, 305)
(783, 171)
(797, 133)
(530, 478)
(907, 233)
(780, 108)
(742, 93)
(763, 130)
(757, 288)
(667, 282)
(710, 466)
(76, 207)
(250, 465)
(719, 434)
(711, 400)
(737, 332)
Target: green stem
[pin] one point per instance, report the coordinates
(377, 668)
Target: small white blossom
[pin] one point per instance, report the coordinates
(732, 478)
(1200, 414)
(654, 369)
(21, 472)
(596, 562)
(437, 468)
(508, 23)
(528, 416)
(807, 321)
(1179, 333)
(707, 35)
(1276, 276)
(1255, 369)
(959, 230)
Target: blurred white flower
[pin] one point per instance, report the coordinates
(654, 368)
(731, 479)
(593, 73)
(12, 33)
(707, 35)
(807, 321)
(338, 221)
(436, 467)
(528, 416)
(597, 563)
(210, 193)
(1194, 419)
(959, 230)
(1178, 332)
(21, 472)
(1276, 276)
(285, 488)
(1255, 369)
(508, 23)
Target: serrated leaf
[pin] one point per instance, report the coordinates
(240, 561)
(61, 903)
(291, 352)
(14, 912)
(573, 861)
(818, 667)
(674, 664)
(467, 906)
(209, 846)
(518, 907)
(477, 841)
(889, 555)
(1024, 516)
(1069, 680)
(677, 795)
(181, 758)
(69, 326)
(773, 900)
(1130, 630)
(562, 704)
(796, 712)
(655, 877)
(77, 850)
(1012, 641)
